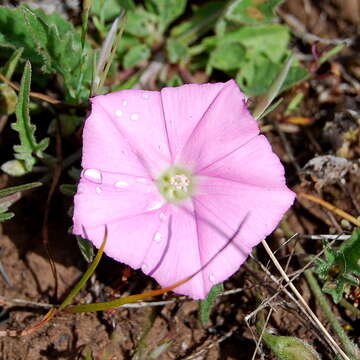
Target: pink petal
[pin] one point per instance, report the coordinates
(226, 126)
(184, 106)
(126, 133)
(254, 164)
(116, 197)
(127, 241)
(183, 256)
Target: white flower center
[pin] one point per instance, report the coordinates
(180, 182)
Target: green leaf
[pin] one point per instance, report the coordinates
(136, 55)
(202, 21)
(227, 56)
(140, 23)
(50, 41)
(269, 40)
(108, 10)
(12, 63)
(252, 11)
(15, 189)
(205, 306)
(168, 11)
(68, 189)
(14, 167)
(256, 76)
(176, 50)
(6, 216)
(29, 147)
(290, 347)
(341, 267)
(86, 248)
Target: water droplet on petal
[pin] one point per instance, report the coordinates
(134, 116)
(158, 236)
(141, 180)
(155, 205)
(212, 278)
(145, 95)
(98, 189)
(144, 267)
(124, 103)
(118, 112)
(121, 184)
(162, 216)
(93, 175)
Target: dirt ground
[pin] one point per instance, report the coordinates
(133, 333)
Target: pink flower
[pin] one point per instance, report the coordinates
(175, 174)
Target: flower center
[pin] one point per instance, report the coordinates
(175, 184)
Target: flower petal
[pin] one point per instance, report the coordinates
(182, 257)
(126, 133)
(253, 164)
(226, 126)
(184, 106)
(111, 198)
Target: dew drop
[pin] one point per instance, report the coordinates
(134, 116)
(93, 175)
(144, 267)
(121, 184)
(212, 278)
(145, 95)
(158, 236)
(141, 180)
(124, 103)
(118, 112)
(98, 189)
(162, 216)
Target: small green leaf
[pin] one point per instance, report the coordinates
(176, 50)
(227, 56)
(140, 23)
(290, 347)
(12, 63)
(6, 216)
(15, 189)
(68, 189)
(252, 11)
(203, 20)
(14, 168)
(136, 55)
(86, 248)
(205, 306)
(168, 11)
(341, 267)
(29, 147)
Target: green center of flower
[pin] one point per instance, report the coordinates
(175, 184)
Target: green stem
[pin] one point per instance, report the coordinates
(349, 347)
(350, 307)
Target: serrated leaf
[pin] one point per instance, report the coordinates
(86, 248)
(227, 56)
(205, 306)
(341, 267)
(136, 55)
(252, 11)
(29, 147)
(52, 42)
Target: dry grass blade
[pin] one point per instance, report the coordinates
(303, 302)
